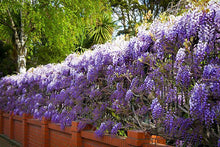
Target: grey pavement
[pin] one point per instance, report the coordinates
(6, 142)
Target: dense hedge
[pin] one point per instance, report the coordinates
(166, 81)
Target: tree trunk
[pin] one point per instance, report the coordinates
(22, 52)
(22, 61)
(20, 43)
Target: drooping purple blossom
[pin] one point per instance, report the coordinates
(174, 97)
(180, 56)
(81, 125)
(210, 71)
(115, 128)
(157, 110)
(183, 76)
(149, 84)
(199, 106)
(128, 95)
(201, 51)
(101, 131)
(206, 31)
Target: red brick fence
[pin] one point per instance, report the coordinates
(35, 133)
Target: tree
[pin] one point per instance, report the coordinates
(126, 13)
(54, 27)
(156, 6)
(7, 14)
(130, 12)
(102, 31)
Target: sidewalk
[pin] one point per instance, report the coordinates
(6, 142)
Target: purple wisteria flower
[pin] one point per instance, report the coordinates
(101, 131)
(129, 95)
(209, 71)
(183, 76)
(180, 56)
(199, 106)
(149, 84)
(115, 128)
(157, 110)
(201, 50)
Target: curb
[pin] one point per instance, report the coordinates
(5, 141)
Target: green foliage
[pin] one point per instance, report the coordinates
(55, 28)
(122, 133)
(7, 62)
(130, 13)
(102, 31)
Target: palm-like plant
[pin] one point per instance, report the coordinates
(102, 31)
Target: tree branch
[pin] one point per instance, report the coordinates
(136, 118)
(12, 22)
(183, 109)
(15, 30)
(6, 24)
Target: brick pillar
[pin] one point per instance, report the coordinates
(76, 139)
(1, 122)
(157, 139)
(45, 132)
(25, 130)
(137, 138)
(11, 126)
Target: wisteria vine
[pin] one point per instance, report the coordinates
(166, 80)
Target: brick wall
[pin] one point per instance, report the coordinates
(41, 133)
(58, 137)
(5, 124)
(17, 128)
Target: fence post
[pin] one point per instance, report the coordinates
(137, 138)
(76, 139)
(25, 130)
(1, 122)
(45, 132)
(157, 139)
(11, 126)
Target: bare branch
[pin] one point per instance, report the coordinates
(136, 118)
(213, 132)
(183, 109)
